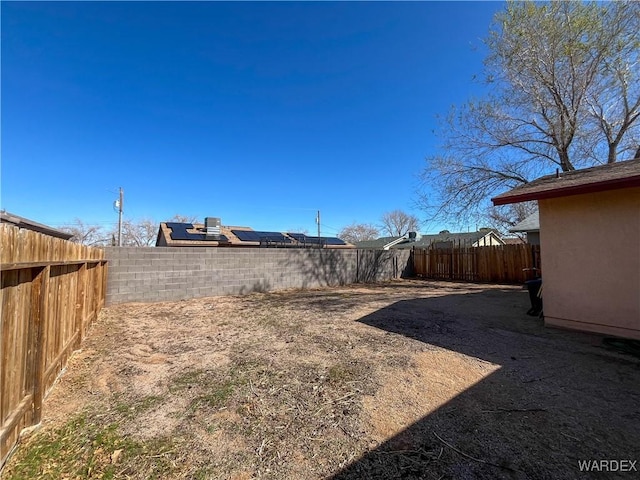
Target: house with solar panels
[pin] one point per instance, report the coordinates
(213, 234)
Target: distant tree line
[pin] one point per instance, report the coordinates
(143, 232)
(393, 224)
(135, 233)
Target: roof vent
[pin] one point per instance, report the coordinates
(212, 227)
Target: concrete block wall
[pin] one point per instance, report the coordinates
(176, 273)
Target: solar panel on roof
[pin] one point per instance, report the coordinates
(272, 237)
(256, 236)
(179, 232)
(302, 238)
(246, 236)
(334, 241)
(179, 225)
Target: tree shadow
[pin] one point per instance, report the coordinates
(258, 286)
(328, 267)
(554, 397)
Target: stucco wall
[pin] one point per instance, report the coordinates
(175, 273)
(590, 246)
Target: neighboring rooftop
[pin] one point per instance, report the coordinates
(377, 243)
(529, 224)
(27, 224)
(612, 176)
(176, 234)
(480, 237)
(513, 241)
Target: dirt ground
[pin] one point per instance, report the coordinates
(409, 379)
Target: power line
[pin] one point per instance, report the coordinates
(74, 224)
(330, 228)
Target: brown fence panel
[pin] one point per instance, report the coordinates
(51, 291)
(494, 264)
(17, 357)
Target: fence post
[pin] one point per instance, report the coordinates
(104, 268)
(40, 294)
(81, 287)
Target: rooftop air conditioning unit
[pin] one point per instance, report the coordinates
(212, 227)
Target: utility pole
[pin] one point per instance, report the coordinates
(318, 222)
(120, 217)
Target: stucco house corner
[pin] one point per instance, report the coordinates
(590, 246)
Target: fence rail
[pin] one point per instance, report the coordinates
(496, 264)
(51, 291)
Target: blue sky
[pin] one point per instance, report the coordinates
(259, 113)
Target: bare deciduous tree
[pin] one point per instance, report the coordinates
(564, 92)
(397, 223)
(359, 232)
(144, 232)
(139, 233)
(185, 219)
(304, 231)
(504, 217)
(85, 234)
(135, 232)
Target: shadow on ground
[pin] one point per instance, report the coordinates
(327, 267)
(557, 398)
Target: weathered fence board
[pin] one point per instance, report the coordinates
(495, 264)
(51, 291)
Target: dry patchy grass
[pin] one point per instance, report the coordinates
(403, 380)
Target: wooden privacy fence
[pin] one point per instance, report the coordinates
(51, 291)
(497, 264)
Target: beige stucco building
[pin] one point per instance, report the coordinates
(590, 247)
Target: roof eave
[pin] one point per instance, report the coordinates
(27, 224)
(495, 236)
(613, 184)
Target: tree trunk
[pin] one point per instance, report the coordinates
(613, 155)
(565, 163)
